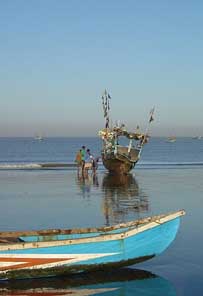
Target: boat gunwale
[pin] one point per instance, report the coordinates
(59, 231)
(152, 222)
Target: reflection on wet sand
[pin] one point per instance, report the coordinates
(126, 282)
(85, 182)
(122, 196)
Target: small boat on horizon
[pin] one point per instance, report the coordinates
(197, 137)
(39, 138)
(52, 252)
(171, 139)
(116, 158)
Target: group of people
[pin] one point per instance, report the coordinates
(86, 161)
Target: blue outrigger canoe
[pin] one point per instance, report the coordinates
(31, 254)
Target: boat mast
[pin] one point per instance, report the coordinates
(106, 108)
(151, 118)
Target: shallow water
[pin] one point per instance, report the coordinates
(36, 199)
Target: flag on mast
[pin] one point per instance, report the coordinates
(106, 106)
(151, 118)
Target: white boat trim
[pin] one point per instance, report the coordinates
(59, 260)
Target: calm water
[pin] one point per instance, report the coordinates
(168, 177)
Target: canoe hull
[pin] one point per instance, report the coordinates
(135, 245)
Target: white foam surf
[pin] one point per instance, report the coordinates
(19, 166)
(71, 165)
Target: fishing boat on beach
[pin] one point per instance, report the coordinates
(31, 254)
(117, 158)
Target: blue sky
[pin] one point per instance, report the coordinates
(58, 56)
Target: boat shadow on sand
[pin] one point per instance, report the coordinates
(126, 282)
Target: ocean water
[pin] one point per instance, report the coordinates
(167, 178)
(21, 151)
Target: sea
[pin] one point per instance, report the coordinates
(168, 177)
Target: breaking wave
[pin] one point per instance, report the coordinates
(18, 166)
(71, 165)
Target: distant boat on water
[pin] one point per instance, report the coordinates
(197, 137)
(39, 138)
(171, 139)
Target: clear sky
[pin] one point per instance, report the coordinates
(58, 56)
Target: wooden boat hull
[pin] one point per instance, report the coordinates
(120, 162)
(59, 252)
(117, 166)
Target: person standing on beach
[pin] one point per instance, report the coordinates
(88, 160)
(78, 160)
(83, 154)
